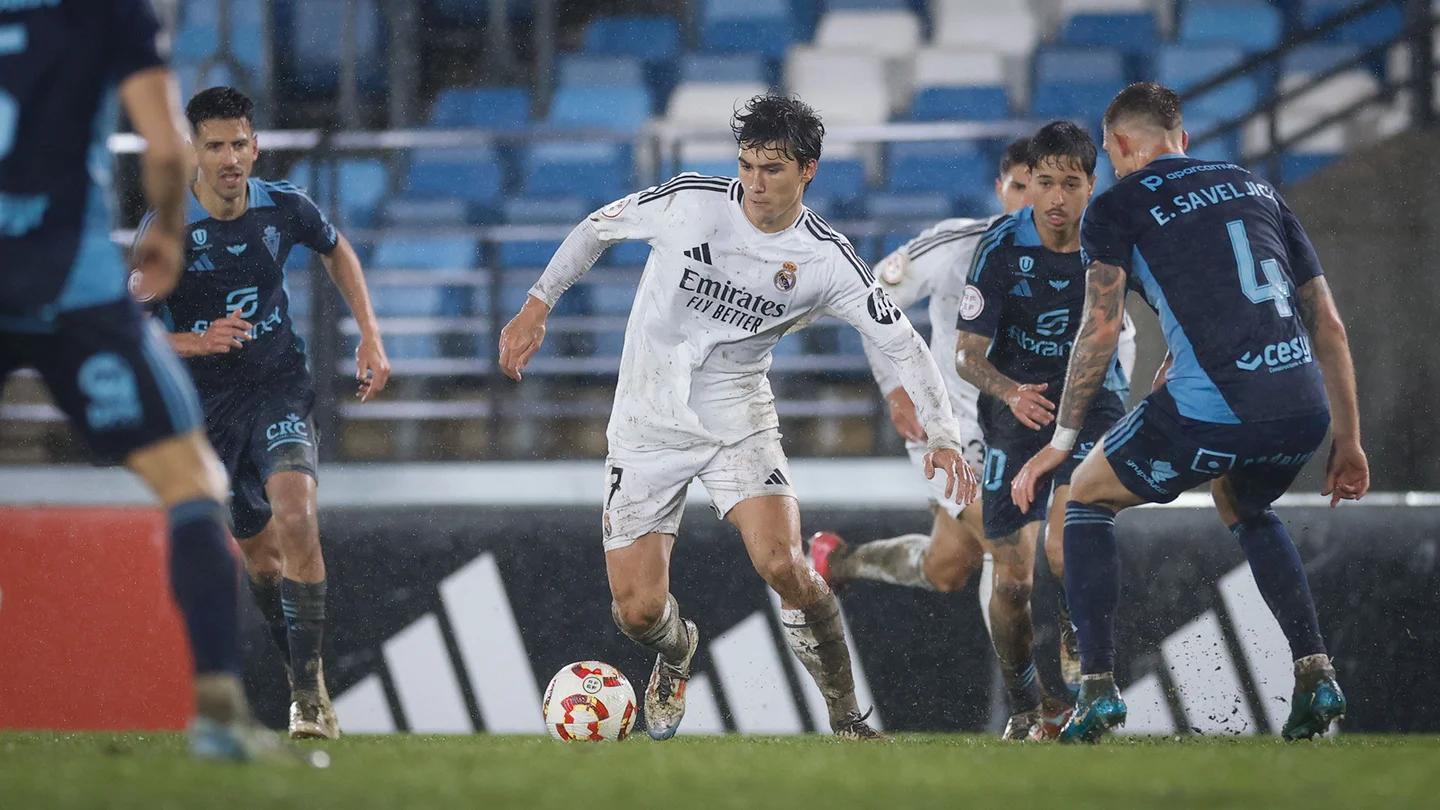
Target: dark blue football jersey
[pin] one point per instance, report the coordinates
(1028, 300)
(1218, 255)
(60, 64)
(240, 264)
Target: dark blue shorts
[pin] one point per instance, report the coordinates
(113, 374)
(1009, 444)
(258, 431)
(1158, 454)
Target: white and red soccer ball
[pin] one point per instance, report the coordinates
(589, 701)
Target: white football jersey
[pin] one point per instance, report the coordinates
(717, 294)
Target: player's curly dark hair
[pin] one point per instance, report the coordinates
(219, 104)
(1062, 141)
(1148, 102)
(1017, 153)
(784, 122)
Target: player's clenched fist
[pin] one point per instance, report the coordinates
(960, 483)
(522, 336)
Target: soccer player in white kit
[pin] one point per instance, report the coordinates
(933, 265)
(734, 264)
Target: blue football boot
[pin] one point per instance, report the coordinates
(1317, 700)
(1098, 709)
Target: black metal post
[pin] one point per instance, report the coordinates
(544, 30)
(404, 62)
(1422, 64)
(325, 319)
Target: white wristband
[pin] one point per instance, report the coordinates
(1064, 438)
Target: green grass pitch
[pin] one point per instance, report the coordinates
(151, 771)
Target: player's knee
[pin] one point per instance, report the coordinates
(1014, 593)
(785, 574)
(262, 560)
(635, 613)
(951, 574)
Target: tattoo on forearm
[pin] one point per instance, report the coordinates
(1095, 343)
(976, 368)
(1314, 297)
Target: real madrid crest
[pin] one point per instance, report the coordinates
(785, 277)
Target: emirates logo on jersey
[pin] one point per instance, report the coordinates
(785, 277)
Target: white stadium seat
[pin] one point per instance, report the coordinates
(950, 67)
(886, 33)
(845, 87)
(708, 105)
(1013, 31)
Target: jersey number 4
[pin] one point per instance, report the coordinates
(9, 121)
(1276, 288)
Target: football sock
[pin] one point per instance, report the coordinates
(1280, 575)
(669, 637)
(304, 607)
(266, 591)
(1092, 582)
(204, 578)
(1013, 634)
(817, 636)
(897, 561)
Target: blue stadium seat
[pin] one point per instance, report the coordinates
(515, 288)
(1225, 147)
(627, 254)
(195, 42)
(363, 183)
(1295, 167)
(308, 43)
(1182, 67)
(949, 167)
(597, 171)
(840, 178)
(247, 36)
(403, 211)
(473, 175)
(591, 70)
(528, 254)
(1254, 25)
(725, 67)
(1374, 28)
(1093, 64)
(532, 211)
(400, 348)
(506, 108)
(983, 103)
(653, 39)
(930, 206)
(718, 167)
(611, 298)
(426, 253)
(618, 108)
(1133, 33)
(740, 26)
(1317, 58)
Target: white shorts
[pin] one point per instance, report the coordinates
(645, 489)
(972, 449)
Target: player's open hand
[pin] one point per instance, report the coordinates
(1030, 406)
(226, 334)
(960, 483)
(1347, 473)
(522, 336)
(902, 413)
(1038, 468)
(372, 367)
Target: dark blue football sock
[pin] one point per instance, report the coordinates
(266, 591)
(1280, 574)
(204, 577)
(304, 606)
(1092, 582)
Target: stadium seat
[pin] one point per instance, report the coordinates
(931, 206)
(591, 70)
(844, 87)
(1132, 33)
(597, 171)
(532, 211)
(308, 40)
(1183, 67)
(425, 253)
(1009, 29)
(1317, 58)
(611, 298)
(439, 212)
(725, 68)
(952, 84)
(1381, 25)
(473, 175)
(1296, 166)
(865, 5)
(1253, 25)
(527, 254)
(1072, 82)
(949, 167)
(363, 183)
(506, 108)
(840, 178)
(890, 33)
(1223, 147)
(652, 39)
(959, 103)
(708, 105)
(617, 108)
(247, 38)
(741, 26)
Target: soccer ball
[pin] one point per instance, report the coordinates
(589, 701)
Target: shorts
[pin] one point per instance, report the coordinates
(645, 489)
(258, 432)
(1158, 454)
(113, 374)
(972, 449)
(1009, 444)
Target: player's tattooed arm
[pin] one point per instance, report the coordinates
(1095, 344)
(1347, 473)
(1027, 402)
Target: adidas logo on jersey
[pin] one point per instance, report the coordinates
(1022, 289)
(777, 479)
(700, 254)
(201, 264)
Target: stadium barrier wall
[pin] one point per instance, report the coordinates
(449, 615)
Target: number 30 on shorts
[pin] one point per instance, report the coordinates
(994, 476)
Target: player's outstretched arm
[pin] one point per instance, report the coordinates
(1090, 361)
(1347, 475)
(372, 365)
(522, 336)
(153, 106)
(1027, 402)
(905, 287)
